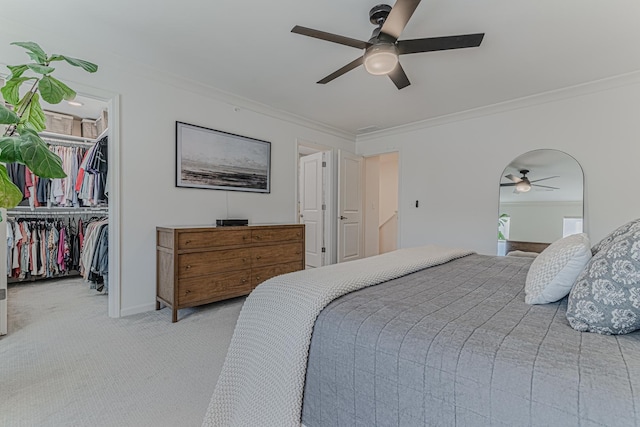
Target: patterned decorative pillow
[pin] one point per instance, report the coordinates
(555, 270)
(635, 224)
(606, 296)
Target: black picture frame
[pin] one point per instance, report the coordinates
(216, 160)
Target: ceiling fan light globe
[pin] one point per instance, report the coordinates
(523, 187)
(381, 59)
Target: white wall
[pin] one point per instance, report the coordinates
(453, 165)
(150, 105)
(538, 221)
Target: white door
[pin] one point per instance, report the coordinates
(350, 224)
(311, 207)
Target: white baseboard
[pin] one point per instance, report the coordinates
(137, 309)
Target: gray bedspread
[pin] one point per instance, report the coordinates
(456, 345)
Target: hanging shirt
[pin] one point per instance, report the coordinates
(9, 246)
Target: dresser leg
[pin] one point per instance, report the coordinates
(157, 305)
(174, 315)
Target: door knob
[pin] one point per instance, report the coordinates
(343, 217)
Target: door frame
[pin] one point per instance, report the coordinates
(112, 100)
(330, 230)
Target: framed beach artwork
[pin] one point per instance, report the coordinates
(216, 160)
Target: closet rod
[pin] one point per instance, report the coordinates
(18, 210)
(66, 138)
(71, 213)
(55, 141)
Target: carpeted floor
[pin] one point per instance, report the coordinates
(66, 363)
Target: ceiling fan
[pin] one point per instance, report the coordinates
(522, 184)
(381, 51)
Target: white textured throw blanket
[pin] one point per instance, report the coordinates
(262, 380)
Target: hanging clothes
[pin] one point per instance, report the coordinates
(86, 168)
(50, 247)
(94, 259)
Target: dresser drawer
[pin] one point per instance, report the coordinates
(276, 234)
(212, 238)
(276, 254)
(203, 263)
(214, 287)
(259, 275)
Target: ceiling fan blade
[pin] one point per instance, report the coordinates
(545, 186)
(513, 178)
(398, 17)
(347, 41)
(542, 179)
(508, 184)
(431, 44)
(399, 77)
(350, 66)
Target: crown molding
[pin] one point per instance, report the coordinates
(514, 104)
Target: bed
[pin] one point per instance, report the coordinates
(451, 344)
(456, 345)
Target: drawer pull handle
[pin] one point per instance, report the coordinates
(258, 257)
(187, 242)
(258, 237)
(244, 237)
(244, 280)
(257, 277)
(244, 260)
(188, 267)
(187, 292)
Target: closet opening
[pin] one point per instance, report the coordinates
(59, 234)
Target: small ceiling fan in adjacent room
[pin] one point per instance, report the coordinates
(381, 51)
(523, 185)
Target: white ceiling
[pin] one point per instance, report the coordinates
(247, 49)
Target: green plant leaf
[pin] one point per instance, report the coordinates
(17, 70)
(85, 65)
(11, 89)
(41, 69)
(10, 195)
(54, 91)
(10, 149)
(7, 117)
(32, 116)
(35, 52)
(37, 156)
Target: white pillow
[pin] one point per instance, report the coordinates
(555, 270)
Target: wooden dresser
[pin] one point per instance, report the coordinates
(199, 265)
